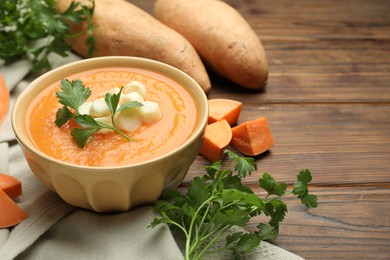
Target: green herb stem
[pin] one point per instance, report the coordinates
(175, 224)
(217, 235)
(191, 227)
(115, 130)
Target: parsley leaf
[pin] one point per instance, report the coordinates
(271, 186)
(112, 101)
(89, 128)
(87, 121)
(300, 189)
(276, 209)
(131, 104)
(81, 135)
(63, 115)
(267, 232)
(218, 201)
(197, 193)
(241, 243)
(309, 200)
(244, 166)
(73, 93)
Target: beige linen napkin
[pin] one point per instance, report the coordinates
(57, 230)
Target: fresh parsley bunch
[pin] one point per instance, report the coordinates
(33, 28)
(217, 201)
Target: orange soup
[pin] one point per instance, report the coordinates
(111, 149)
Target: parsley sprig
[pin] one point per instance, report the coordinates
(72, 95)
(218, 200)
(34, 29)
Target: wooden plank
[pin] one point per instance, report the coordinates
(332, 8)
(309, 88)
(300, 24)
(329, 56)
(342, 144)
(147, 6)
(349, 223)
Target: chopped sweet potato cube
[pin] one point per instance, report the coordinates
(227, 109)
(217, 138)
(252, 137)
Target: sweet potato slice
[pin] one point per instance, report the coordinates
(252, 137)
(10, 185)
(227, 109)
(217, 137)
(4, 99)
(11, 213)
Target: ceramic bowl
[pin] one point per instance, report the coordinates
(116, 188)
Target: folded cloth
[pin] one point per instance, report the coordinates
(81, 234)
(57, 230)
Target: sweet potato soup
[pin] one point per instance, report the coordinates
(150, 140)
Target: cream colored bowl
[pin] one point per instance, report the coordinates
(120, 188)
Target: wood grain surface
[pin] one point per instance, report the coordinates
(328, 105)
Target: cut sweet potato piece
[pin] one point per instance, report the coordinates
(227, 109)
(4, 99)
(11, 213)
(217, 137)
(252, 137)
(10, 185)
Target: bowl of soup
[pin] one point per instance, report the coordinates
(111, 173)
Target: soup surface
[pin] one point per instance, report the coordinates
(111, 149)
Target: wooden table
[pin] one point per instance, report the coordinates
(328, 105)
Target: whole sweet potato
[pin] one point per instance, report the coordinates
(221, 36)
(123, 29)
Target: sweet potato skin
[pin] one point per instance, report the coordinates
(221, 36)
(4, 99)
(123, 29)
